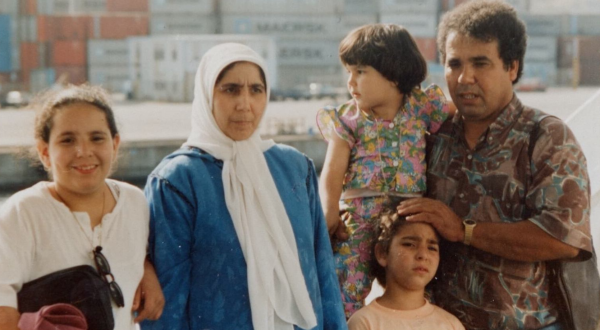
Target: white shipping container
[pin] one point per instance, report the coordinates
(27, 28)
(419, 25)
(161, 24)
(541, 49)
(9, 7)
(587, 24)
(290, 7)
(299, 27)
(546, 25)
(203, 7)
(41, 79)
(51, 7)
(107, 52)
(115, 78)
(350, 22)
(305, 52)
(160, 65)
(521, 6)
(545, 70)
(292, 76)
(409, 6)
(361, 6)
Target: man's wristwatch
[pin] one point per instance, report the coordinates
(469, 226)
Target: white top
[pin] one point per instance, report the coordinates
(39, 235)
(428, 317)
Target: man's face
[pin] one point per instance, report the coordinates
(479, 84)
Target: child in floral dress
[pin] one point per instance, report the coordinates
(376, 144)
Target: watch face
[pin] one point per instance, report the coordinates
(470, 222)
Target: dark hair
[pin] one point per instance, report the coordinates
(51, 101)
(230, 66)
(388, 48)
(487, 21)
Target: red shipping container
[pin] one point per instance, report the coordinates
(75, 75)
(428, 48)
(45, 28)
(28, 7)
(121, 27)
(73, 27)
(129, 5)
(29, 56)
(69, 53)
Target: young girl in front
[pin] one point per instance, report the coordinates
(376, 144)
(59, 224)
(405, 257)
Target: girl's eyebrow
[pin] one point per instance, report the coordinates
(418, 239)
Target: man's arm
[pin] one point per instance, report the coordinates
(9, 318)
(521, 241)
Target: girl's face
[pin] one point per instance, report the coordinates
(239, 101)
(370, 89)
(412, 259)
(80, 150)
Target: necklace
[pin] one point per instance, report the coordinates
(77, 220)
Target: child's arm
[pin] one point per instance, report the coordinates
(149, 299)
(9, 318)
(331, 182)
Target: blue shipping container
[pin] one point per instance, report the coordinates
(5, 44)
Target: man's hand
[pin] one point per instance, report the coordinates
(336, 227)
(436, 213)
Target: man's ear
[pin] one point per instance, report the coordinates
(42, 151)
(380, 255)
(514, 70)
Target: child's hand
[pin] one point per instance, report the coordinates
(333, 221)
(149, 301)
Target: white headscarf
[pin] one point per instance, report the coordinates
(278, 294)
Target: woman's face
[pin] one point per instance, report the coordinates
(80, 150)
(239, 101)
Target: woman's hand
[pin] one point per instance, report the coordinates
(149, 300)
(335, 226)
(9, 318)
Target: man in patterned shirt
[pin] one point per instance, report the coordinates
(504, 206)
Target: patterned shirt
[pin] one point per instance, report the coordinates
(387, 155)
(496, 182)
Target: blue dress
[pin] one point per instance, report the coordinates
(196, 252)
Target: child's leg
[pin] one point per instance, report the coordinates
(352, 256)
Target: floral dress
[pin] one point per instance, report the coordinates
(387, 158)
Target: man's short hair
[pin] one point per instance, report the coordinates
(487, 20)
(388, 48)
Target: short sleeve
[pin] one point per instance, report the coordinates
(341, 121)
(435, 108)
(560, 193)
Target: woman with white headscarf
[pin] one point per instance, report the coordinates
(237, 233)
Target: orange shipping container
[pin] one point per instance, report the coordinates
(71, 74)
(28, 7)
(45, 28)
(129, 5)
(73, 27)
(29, 56)
(428, 48)
(69, 53)
(121, 27)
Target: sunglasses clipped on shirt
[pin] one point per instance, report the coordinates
(104, 269)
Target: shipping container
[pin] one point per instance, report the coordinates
(27, 30)
(348, 22)
(292, 27)
(159, 64)
(61, 7)
(583, 47)
(281, 7)
(587, 24)
(161, 24)
(9, 7)
(547, 25)
(107, 53)
(41, 79)
(590, 72)
(69, 53)
(65, 28)
(45, 28)
(545, 70)
(428, 48)
(202, 7)
(6, 43)
(407, 7)
(521, 6)
(28, 7)
(75, 75)
(293, 76)
(307, 52)
(419, 25)
(30, 57)
(541, 49)
(114, 78)
(45, 53)
(361, 6)
(129, 5)
(121, 27)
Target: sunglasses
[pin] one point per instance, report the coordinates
(104, 270)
